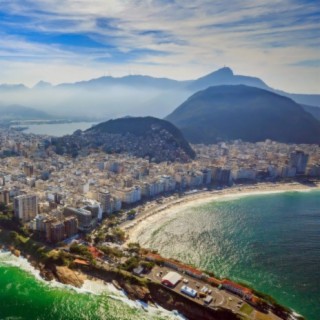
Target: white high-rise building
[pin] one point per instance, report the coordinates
(26, 207)
(299, 160)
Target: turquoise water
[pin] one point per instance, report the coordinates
(270, 242)
(24, 297)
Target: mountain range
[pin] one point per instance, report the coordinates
(17, 112)
(109, 97)
(232, 112)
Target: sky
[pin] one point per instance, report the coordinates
(72, 40)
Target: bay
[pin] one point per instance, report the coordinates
(58, 129)
(269, 242)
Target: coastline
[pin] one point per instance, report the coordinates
(91, 285)
(154, 212)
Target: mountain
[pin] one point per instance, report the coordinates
(17, 112)
(114, 97)
(315, 111)
(133, 81)
(242, 112)
(225, 76)
(12, 87)
(157, 139)
(42, 85)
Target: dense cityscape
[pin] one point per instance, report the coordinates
(83, 205)
(61, 195)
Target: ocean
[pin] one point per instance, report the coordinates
(58, 129)
(269, 242)
(25, 296)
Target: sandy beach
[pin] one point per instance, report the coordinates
(154, 212)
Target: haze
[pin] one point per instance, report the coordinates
(74, 40)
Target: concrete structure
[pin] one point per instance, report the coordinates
(104, 198)
(299, 160)
(26, 207)
(85, 222)
(4, 196)
(129, 195)
(236, 288)
(57, 231)
(28, 169)
(71, 226)
(171, 279)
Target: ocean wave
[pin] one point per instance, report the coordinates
(89, 287)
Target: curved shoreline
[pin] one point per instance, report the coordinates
(155, 212)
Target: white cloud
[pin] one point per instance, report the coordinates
(264, 38)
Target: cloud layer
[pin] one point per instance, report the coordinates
(69, 40)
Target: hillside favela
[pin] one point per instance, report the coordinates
(159, 160)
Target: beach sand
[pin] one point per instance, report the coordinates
(155, 213)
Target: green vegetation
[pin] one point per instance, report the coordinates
(81, 250)
(134, 247)
(116, 235)
(147, 265)
(141, 127)
(131, 214)
(130, 264)
(111, 252)
(59, 257)
(246, 309)
(247, 113)
(3, 208)
(25, 244)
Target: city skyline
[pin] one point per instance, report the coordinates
(55, 41)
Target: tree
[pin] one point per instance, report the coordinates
(3, 207)
(134, 247)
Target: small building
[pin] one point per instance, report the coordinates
(237, 289)
(207, 299)
(171, 279)
(188, 291)
(138, 270)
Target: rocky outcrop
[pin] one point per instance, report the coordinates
(136, 292)
(68, 276)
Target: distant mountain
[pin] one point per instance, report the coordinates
(42, 85)
(307, 99)
(133, 81)
(242, 112)
(113, 97)
(12, 87)
(315, 111)
(159, 140)
(17, 112)
(225, 76)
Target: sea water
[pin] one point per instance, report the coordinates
(25, 296)
(269, 242)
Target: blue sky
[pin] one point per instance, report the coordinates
(71, 40)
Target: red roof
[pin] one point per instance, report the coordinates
(95, 252)
(176, 263)
(214, 280)
(236, 285)
(79, 261)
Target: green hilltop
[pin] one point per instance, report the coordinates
(231, 112)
